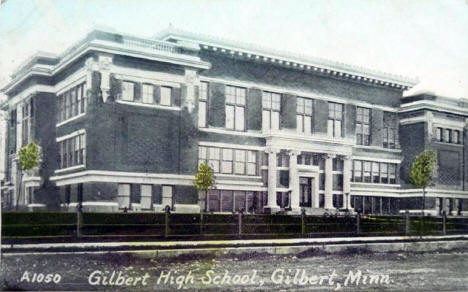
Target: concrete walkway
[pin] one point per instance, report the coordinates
(261, 245)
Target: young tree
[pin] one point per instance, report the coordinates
(29, 159)
(204, 179)
(421, 172)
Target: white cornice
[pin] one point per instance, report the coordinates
(296, 61)
(123, 177)
(129, 49)
(432, 105)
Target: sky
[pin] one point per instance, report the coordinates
(427, 39)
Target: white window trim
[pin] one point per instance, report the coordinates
(75, 167)
(71, 135)
(71, 84)
(70, 119)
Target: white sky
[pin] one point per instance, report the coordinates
(427, 39)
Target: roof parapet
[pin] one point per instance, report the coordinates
(299, 61)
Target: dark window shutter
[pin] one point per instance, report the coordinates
(156, 193)
(176, 95)
(320, 116)
(376, 127)
(135, 193)
(137, 92)
(288, 111)
(157, 94)
(216, 110)
(254, 109)
(350, 120)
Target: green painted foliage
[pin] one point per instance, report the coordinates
(29, 156)
(422, 169)
(204, 178)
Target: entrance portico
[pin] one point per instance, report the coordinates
(304, 176)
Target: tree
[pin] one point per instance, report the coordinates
(29, 159)
(204, 179)
(422, 171)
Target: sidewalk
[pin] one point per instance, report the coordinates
(253, 244)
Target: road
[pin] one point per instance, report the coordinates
(349, 271)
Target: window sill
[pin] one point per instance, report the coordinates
(70, 120)
(81, 166)
(375, 184)
(378, 148)
(231, 132)
(147, 105)
(448, 143)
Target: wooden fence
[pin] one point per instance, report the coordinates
(63, 226)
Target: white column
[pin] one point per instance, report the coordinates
(294, 181)
(347, 182)
(329, 181)
(272, 164)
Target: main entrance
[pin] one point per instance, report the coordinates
(305, 191)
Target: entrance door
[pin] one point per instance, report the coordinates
(305, 192)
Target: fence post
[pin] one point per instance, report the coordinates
(358, 223)
(303, 223)
(78, 220)
(407, 223)
(239, 224)
(444, 223)
(166, 221)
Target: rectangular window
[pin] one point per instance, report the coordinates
(389, 137)
(166, 98)
(363, 126)
(235, 108)
(240, 162)
(304, 110)
(128, 90)
(448, 136)
(357, 173)
(252, 162)
(27, 109)
(335, 118)
(239, 201)
(202, 104)
(384, 173)
(439, 135)
(271, 103)
(367, 171)
(375, 172)
(213, 201)
(456, 137)
(213, 161)
(72, 151)
(73, 110)
(337, 164)
(229, 161)
(226, 165)
(146, 197)
(148, 96)
(392, 173)
(226, 201)
(166, 196)
(202, 154)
